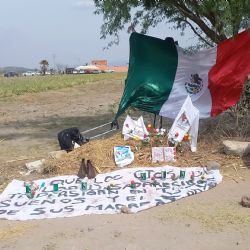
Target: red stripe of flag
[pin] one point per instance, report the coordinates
(227, 77)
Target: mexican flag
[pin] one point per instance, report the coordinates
(161, 75)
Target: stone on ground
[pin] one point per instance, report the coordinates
(212, 165)
(237, 148)
(57, 154)
(35, 166)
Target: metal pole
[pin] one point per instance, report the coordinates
(154, 120)
(160, 123)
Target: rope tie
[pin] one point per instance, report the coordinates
(95, 128)
(103, 133)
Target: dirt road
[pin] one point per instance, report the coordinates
(29, 126)
(210, 220)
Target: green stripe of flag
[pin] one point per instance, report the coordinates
(152, 67)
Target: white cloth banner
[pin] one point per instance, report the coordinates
(107, 194)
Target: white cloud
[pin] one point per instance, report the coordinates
(83, 3)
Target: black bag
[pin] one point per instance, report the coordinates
(69, 136)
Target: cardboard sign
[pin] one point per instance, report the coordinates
(186, 121)
(163, 154)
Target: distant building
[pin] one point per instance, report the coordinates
(100, 62)
(119, 68)
(103, 66)
(69, 70)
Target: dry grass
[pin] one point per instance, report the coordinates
(100, 152)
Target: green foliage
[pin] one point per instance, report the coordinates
(242, 108)
(244, 104)
(211, 20)
(236, 121)
(21, 85)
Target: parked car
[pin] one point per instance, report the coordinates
(29, 73)
(91, 71)
(108, 71)
(69, 70)
(11, 74)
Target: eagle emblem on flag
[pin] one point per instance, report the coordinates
(195, 84)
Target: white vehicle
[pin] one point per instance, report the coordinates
(29, 73)
(108, 71)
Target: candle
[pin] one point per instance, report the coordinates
(192, 176)
(55, 187)
(163, 174)
(84, 186)
(143, 176)
(30, 189)
(182, 174)
(132, 184)
(173, 177)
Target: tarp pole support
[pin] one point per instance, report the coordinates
(154, 120)
(160, 123)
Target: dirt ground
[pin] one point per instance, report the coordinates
(29, 124)
(28, 130)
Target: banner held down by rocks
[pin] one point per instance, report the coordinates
(136, 189)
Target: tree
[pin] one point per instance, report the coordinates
(211, 21)
(60, 67)
(44, 66)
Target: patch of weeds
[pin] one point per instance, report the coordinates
(50, 246)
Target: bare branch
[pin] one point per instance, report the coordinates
(207, 30)
(197, 33)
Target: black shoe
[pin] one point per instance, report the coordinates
(91, 172)
(83, 170)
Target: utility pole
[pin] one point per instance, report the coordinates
(54, 60)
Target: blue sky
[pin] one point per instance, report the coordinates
(63, 32)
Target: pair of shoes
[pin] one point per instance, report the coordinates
(86, 170)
